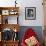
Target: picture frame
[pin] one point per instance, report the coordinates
(30, 13)
(13, 12)
(0, 36)
(0, 19)
(5, 12)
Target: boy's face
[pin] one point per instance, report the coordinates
(31, 41)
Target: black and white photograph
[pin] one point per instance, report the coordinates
(30, 13)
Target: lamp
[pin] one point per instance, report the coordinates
(15, 3)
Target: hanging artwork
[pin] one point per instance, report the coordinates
(30, 13)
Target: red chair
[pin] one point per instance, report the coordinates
(29, 33)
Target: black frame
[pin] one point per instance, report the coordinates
(28, 10)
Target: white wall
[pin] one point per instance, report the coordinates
(39, 12)
(27, 3)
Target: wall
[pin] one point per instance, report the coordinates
(27, 3)
(39, 13)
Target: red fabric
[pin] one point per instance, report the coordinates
(28, 33)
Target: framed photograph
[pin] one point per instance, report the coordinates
(30, 13)
(5, 12)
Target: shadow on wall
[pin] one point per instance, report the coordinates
(37, 29)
